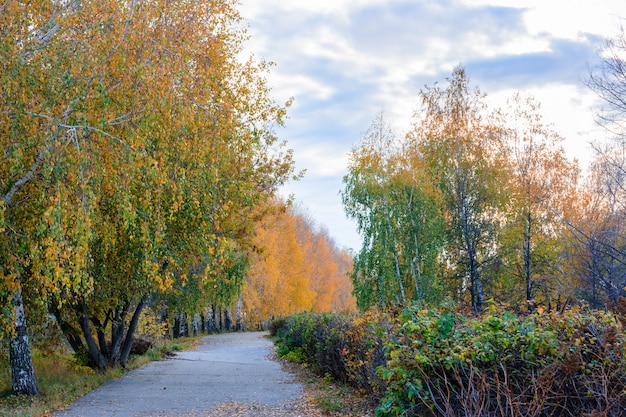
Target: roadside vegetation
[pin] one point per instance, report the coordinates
(142, 171)
(141, 168)
(440, 362)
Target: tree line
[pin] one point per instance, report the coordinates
(138, 153)
(477, 203)
(296, 267)
(291, 266)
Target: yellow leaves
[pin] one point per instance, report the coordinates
(147, 141)
(58, 271)
(10, 281)
(293, 270)
(165, 284)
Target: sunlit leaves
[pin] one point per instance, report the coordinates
(294, 267)
(542, 182)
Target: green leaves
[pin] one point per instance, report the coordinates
(503, 358)
(440, 362)
(468, 205)
(393, 203)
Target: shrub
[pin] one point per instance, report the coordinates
(349, 349)
(278, 326)
(140, 346)
(438, 362)
(443, 364)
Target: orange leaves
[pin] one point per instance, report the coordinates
(10, 281)
(295, 268)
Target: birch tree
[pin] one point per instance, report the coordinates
(392, 204)
(463, 150)
(137, 146)
(542, 181)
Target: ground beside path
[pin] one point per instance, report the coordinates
(225, 375)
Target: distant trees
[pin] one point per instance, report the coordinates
(469, 205)
(295, 267)
(598, 240)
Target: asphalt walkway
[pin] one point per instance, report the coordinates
(230, 368)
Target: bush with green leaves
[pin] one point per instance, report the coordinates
(278, 326)
(347, 348)
(444, 364)
(438, 362)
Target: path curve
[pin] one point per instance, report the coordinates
(227, 371)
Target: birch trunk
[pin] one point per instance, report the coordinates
(22, 371)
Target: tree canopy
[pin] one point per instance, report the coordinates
(468, 206)
(137, 145)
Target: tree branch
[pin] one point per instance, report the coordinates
(8, 198)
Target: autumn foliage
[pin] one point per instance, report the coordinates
(437, 362)
(295, 267)
(137, 143)
(476, 203)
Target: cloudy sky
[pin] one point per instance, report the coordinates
(344, 61)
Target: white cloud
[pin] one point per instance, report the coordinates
(569, 109)
(570, 20)
(338, 8)
(563, 18)
(322, 160)
(301, 85)
(346, 60)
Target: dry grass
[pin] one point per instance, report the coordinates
(323, 397)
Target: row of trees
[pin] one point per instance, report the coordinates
(138, 152)
(477, 203)
(292, 265)
(296, 267)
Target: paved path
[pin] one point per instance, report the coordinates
(226, 368)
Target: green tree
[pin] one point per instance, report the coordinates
(397, 218)
(463, 149)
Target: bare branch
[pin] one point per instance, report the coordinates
(8, 198)
(94, 129)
